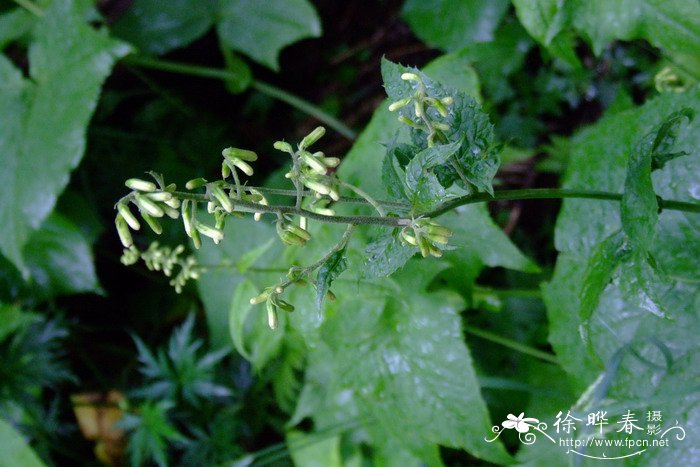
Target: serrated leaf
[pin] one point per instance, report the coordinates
(261, 29)
(452, 24)
(630, 311)
(478, 155)
(157, 27)
(602, 264)
(422, 187)
(60, 259)
(45, 139)
(327, 273)
(385, 255)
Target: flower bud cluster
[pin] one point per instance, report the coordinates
(311, 169)
(152, 202)
(273, 303)
(422, 103)
(429, 236)
(163, 258)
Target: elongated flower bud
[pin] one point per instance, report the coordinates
(211, 232)
(312, 137)
(243, 166)
(331, 161)
(242, 154)
(260, 298)
(441, 126)
(333, 193)
(315, 164)
(408, 238)
(170, 212)
(447, 100)
(286, 306)
(291, 239)
(225, 170)
(123, 231)
(283, 146)
(316, 186)
(437, 229)
(152, 223)
(128, 216)
(173, 203)
(298, 231)
(407, 121)
(223, 199)
(394, 106)
(435, 251)
(148, 206)
(196, 239)
(423, 246)
(159, 196)
(195, 183)
(187, 219)
(271, 315)
(418, 109)
(140, 185)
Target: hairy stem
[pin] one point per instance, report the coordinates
(260, 86)
(366, 197)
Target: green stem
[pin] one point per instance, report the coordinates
(260, 86)
(30, 6)
(511, 344)
(365, 196)
(551, 193)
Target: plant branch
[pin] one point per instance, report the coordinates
(511, 344)
(260, 86)
(365, 196)
(30, 6)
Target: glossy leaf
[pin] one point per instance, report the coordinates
(386, 254)
(60, 259)
(45, 139)
(422, 186)
(261, 29)
(157, 27)
(452, 24)
(393, 175)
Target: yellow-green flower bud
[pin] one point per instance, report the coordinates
(123, 231)
(195, 183)
(408, 238)
(315, 164)
(223, 199)
(312, 137)
(447, 100)
(159, 196)
(441, 126)
(242, 154)
(411, 77)
(435, 251)
(128, 216)
(225, 170)
(271, 315)
(243, 166)
(394, 106)
(407, 121)
(300, 232)
(260, 298)
(437, 229)
(286, 306)
(418, 109)
(331, 161)
(152, 223)
(173, 203)
(140, 185)
(196, 239)
(170, 212)
(147, 206)
(283, 146)
(316, 186)
(215, 234)
(187, 217)
(423, 246)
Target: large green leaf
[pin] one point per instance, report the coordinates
(15, 450)
(649, 358)
(45, 138)
(403, 357)
(156, 27)
(452, 24)
(671, 25)
(60, 259)
(261, 29)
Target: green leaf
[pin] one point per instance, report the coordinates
(393, 176)
(314, 450)
(385, 255)
(157, 27)
(605, 258)
(639, 208)
(452, 24)
(13, 318)
(403, 356)
(629, 318)
(60, 259)
(45, 139)
(666, 138)
(261, 29)
(327, 273)
(15, 450)
(477, 157)
(14, 24)
(422, 186)
(543, 19)
(150, 433)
